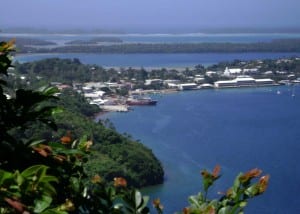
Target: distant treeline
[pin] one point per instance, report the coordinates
(280, 45)
(95, 41)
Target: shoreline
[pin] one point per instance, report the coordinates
(120, 108)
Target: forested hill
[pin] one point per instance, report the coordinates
(280, 45)
(115, 154)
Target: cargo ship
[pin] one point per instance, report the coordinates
(140, 101)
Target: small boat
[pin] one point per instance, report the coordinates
(140, 101)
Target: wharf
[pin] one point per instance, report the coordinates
(117, 108)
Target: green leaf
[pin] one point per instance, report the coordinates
(4, 176)
(252, 190)
(214, 203)
(137, 198)
(34, 143)
(34, 170)
(75, 183)
(57, 110)
(48, 91)
(41, 204)
(145, 201)
(49, 178)
(54, 211)
(194, 200)
(48, 189)
(19, 179)
(237, 183)
(243, 204)
(225, 210)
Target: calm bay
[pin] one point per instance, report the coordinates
(155, 60)
(239, 129)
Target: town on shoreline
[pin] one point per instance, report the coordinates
(117, 89)
(240, 74)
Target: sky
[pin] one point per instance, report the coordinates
(156, 15)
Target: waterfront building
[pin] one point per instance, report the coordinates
(172, 85)
(206, 86)
(187, 86)
(166, 82)
(243, 81)
(262, 82)
(225, 84)
(94, 95)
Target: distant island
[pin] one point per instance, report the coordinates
(95, 41)
(278, 45)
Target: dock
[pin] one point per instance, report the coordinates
(117, 108)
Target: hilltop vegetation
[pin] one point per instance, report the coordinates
(115, 154)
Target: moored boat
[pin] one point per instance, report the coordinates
(140, 101)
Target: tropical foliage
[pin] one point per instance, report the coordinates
(236, 197)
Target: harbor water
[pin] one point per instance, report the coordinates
(239, 129)
(157, 60)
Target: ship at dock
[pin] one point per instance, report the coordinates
(140, 101)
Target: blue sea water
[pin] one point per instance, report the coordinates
(156, 60)
(239, 129)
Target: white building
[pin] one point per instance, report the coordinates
(166, 82)
(206, 86)
(187, 86)
(232, 71)
(250, 70)
(225, 84)
(113, 85)
(94, 95)
(171, 83)
(243, 81)
(153, 81)
(262, 82)
(268, 73)
(210, 73)
(95, 85)
(199, 80)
